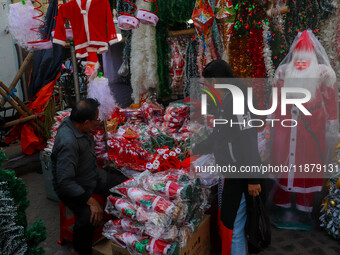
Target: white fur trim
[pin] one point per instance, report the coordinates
(102, 50)
(87, 44)
(113, 41)
(304, 208)
(284, 205)
(78, 55)
(300, 189)
(56, 41)
(40, 45)
(144, 57)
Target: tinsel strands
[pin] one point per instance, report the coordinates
(277, 44)
(337, 39)
(238, 59)
(169, 12)
(255, 52)
(303, 14)
(191, 67)
(267, 53)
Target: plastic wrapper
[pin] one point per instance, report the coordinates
(145, 245)
(155, 223)
(170, 189)
(146, 200)
(123, 225)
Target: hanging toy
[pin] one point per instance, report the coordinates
(21, 20)
(100, 90)
(147, 17)
(203, 18)
(225, 17)
(124, 69)
(127, 21)
(40, 44)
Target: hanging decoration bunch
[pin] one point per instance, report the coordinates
(225, 16)
(302, 15)
(169, 13)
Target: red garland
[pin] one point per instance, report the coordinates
(255, 51)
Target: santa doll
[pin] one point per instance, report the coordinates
(303, 147)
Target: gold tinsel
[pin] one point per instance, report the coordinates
(337, 185)
(238, 59)
(328, 184)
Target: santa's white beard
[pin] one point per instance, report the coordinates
(308, 79)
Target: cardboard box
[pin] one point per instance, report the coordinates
(102, 247)
(198, 243)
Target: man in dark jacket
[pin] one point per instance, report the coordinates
(234, 145)
(76, 176)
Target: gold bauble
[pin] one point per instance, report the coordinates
(337, 185)
(332, 203)
(328, 184)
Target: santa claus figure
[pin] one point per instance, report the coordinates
(303, 148)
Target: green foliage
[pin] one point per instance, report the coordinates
(17, 191)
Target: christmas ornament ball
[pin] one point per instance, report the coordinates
(332, 203)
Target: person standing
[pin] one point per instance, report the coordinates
(236, 145)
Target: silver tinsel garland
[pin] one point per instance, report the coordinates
(11, 235)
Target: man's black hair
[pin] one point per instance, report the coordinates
(84, 110)
(218, 69)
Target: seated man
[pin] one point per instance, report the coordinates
(76, 176)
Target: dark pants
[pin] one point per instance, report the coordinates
(83, 229)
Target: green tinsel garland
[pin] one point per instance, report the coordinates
(169, 12)
(303, 15)
(277, 44)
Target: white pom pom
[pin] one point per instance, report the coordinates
(83, 12)
(100, 90)
(20, 21)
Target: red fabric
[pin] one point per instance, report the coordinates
(96, 33)
(226, 235)
(31, 140)
(303, 149)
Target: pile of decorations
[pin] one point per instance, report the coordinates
(157, 212)
(330, 208)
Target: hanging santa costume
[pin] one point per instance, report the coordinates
(92, 25)
(308, 143)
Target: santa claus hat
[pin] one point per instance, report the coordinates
(304, 48)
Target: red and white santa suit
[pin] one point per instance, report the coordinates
(92, 25)
(305, 143)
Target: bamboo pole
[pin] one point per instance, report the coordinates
(19, 74)
(22, 112)
(23, 106)
(75, 72)
(18, 121)
(190, 31)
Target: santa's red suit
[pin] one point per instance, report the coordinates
(305, 143)
(92, 25)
